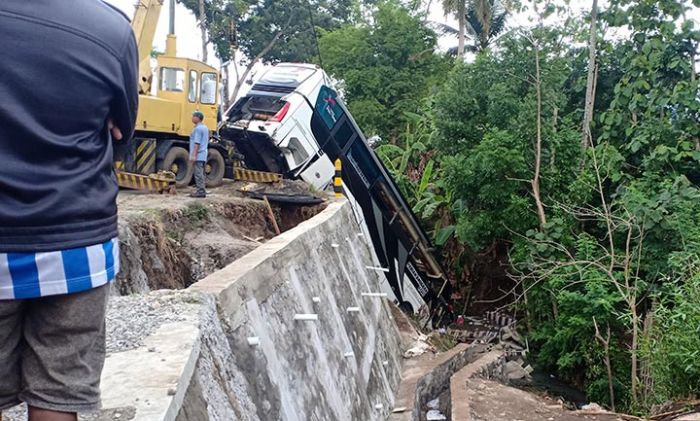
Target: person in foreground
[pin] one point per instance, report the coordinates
(68, 86)
(199, 144)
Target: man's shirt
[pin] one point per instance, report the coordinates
(67, 67)
(200, 136)
(33, 275)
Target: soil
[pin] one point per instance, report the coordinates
(171, 241)
(493, 401)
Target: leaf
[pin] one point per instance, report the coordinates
(425, 178)
(444, 234)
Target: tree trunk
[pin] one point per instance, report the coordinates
(635, 345)
(538, 142)
(462, 28)
(227, 79)
(591, 79)
(608, 366)
(203, 28)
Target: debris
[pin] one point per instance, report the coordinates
(419, 347)
(253, 240)
(171, 392)
(435, 415)
(514, 371)
(592, 407)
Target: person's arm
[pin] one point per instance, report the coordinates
(125, 104)
(195, 150)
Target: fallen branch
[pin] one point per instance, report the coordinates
(677, 412)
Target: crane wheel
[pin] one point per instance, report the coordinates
(177, 160)
(214, 168)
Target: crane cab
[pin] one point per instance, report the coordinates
(182, 87)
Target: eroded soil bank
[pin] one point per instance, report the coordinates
(170, 242)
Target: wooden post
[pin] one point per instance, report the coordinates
(272, 216)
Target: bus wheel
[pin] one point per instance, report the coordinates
(177, 161)
(214, 168)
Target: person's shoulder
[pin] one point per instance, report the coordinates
(106, 23)
(113, 9)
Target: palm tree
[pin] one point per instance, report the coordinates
(458, 8)
(486, 19)
(483, 20)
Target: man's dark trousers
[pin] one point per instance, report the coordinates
(199, 179)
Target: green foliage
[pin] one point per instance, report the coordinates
(293, 17)
(674, 347)
(621, 244)
(387, 68)
(196, 213)
(251, 24)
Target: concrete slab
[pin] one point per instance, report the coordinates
(153, 378)
(458, 384)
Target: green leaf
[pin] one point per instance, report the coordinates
(425, 178)
(444, 234)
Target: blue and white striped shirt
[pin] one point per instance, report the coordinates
(34, 275)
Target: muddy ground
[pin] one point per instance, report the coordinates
(493, 401)
(172, 241)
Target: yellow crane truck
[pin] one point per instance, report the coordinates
(168, 97)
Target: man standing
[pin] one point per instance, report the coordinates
(199, 143)
(69, 84)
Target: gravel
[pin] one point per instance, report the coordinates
(131, 319)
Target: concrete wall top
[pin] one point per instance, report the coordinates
(226, 283)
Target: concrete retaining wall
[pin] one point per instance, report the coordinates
(236, 352)
(343, 366)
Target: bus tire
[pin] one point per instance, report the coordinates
(177, 160)
(214, 168)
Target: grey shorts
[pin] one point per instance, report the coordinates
(52, 351)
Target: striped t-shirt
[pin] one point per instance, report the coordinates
(33, 275)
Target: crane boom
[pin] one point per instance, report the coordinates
(144, 25)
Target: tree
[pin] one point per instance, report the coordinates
(385, 69)
(458, 9)
(590, 79)
(203, 28)
(484, 23)
(297, 42)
